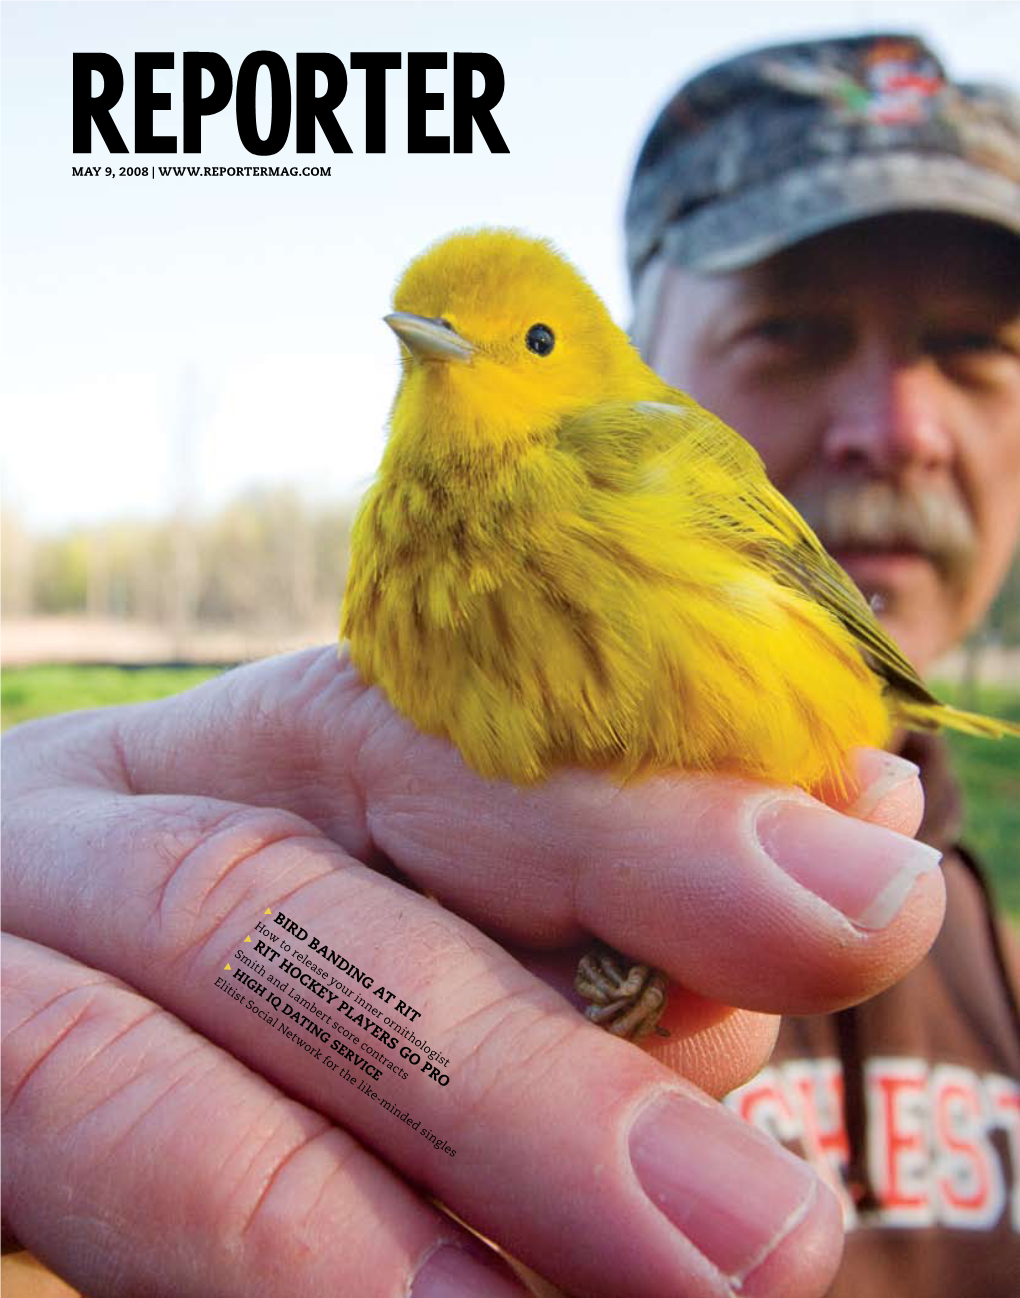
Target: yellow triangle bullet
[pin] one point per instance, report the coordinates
(268, 911)
(248, 938)
(225, 968)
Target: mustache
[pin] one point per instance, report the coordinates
(881, 516)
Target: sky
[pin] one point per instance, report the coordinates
(179, 340)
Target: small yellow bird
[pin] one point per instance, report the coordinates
(564, 561)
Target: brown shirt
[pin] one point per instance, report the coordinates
(929, 1175)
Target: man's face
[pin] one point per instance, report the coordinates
(876, 368)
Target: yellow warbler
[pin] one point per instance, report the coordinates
(565, 561)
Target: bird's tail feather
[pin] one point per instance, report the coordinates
(927, 716)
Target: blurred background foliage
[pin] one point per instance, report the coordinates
(267, 557)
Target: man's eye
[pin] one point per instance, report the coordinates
(976, 356)
(967, 342)
(785, 331)
(781, 342)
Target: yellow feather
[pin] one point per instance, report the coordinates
(565, 561)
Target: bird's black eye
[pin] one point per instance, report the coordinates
(445, 323)
(540, 339)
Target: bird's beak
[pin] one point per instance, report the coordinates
(432, 340)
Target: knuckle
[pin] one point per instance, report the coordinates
(217, 867)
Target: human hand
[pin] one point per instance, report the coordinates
(160, 1138)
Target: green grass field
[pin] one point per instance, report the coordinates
(990, 771)
(30, 692)
(990, 774)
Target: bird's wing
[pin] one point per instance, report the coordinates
(682, 444)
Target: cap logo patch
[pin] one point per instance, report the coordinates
(898, 84)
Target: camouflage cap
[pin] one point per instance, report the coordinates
(781, 143)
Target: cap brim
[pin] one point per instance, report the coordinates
(737, 232)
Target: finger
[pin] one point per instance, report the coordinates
(24, 1276)
(724, 1049)
(883, 788)
(752, 896)
(535, 1098)
(288, 732)
(106, 1099)
(714, 1046)
(748, 895)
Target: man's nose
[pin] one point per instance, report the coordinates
(889, 415)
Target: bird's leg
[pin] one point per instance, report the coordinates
(627, 1004)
